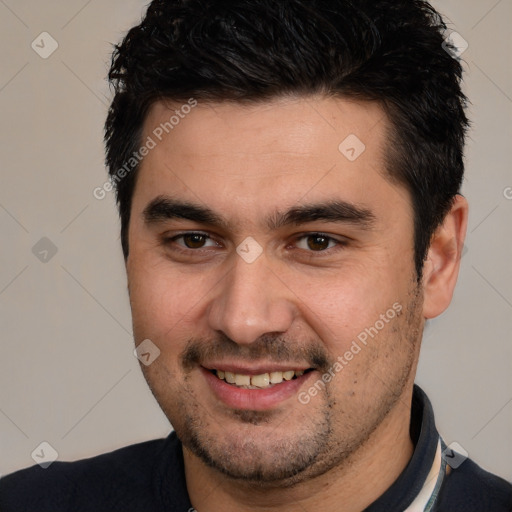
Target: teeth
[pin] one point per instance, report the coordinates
(243, 380)
(262, 381)
(276, 377)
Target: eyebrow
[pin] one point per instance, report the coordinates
(164, 208)
(330, 211)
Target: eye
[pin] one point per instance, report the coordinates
(194, 240)
(317, 242)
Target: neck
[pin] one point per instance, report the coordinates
(363, 477)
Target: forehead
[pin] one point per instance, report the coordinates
(304, 126)
(280, 151)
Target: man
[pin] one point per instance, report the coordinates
(288, 178)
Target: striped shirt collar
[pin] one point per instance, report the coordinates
(416, 489)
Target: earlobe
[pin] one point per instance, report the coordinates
(442, 265)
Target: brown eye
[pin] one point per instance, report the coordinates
(191, 241)
(194, 240)
(318, 242)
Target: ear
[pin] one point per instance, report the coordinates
(442, 264)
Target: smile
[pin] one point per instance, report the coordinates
(261, 381)
(256, 387)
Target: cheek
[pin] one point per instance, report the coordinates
(342, 305)
(160, 299)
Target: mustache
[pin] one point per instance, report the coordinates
(269, 347)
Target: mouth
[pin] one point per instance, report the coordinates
(256, 389)
(260, 381)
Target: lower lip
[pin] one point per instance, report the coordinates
(254, 399)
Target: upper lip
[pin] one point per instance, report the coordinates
(255, 369)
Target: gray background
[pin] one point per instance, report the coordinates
(67, 371)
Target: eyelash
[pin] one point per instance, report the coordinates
(339, 244)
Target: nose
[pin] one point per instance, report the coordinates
(251, 301)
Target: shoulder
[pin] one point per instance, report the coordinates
(469, 488)
(123, 477)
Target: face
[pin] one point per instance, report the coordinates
(274, 270)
